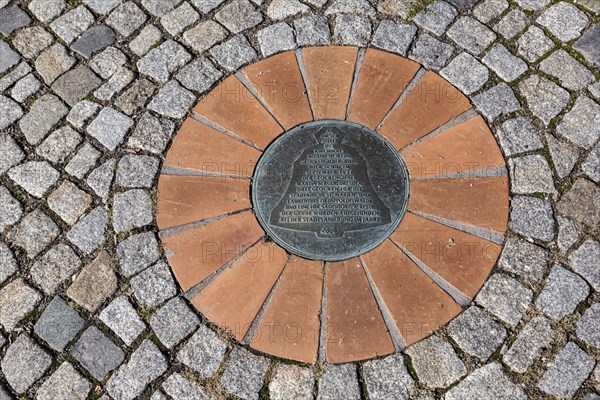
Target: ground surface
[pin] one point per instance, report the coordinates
(94, 90)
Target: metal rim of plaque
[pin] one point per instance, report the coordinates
(330, 190)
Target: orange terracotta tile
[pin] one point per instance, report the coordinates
(233, 107)
(330, 71)
(463, 260)
(185, 199)
(432, 103)
(278, 82)
(195, 253)
(480, 202)
(417, 304)
(468, 146)
(290, 326)
(355, 327)
(235, 297)
(202, 148)
(383, 77)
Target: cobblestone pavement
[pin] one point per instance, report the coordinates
(92, 92)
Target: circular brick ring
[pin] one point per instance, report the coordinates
(382, 299)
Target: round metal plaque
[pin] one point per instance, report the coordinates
(330, 190)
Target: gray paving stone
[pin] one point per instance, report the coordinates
(463, 5)
(544, 98)
(352, 30)
(34, 233)
(342, 380)
(489, 382)
(145, 365)
(276, 38)
(8, 57)
(151, 134)
(164, 60)
(76, 84)
(69, 202)
(65, 384)
(136, 97)
(507, 66)
(173, 322)
(239, 15)
(10, 209)
(137, 252)
(497, 101)
(471, 35)
(83, 161)
(175, 21)
(24, 363)
(591, 166)
(568, 234)
(524, 259)
(518, 135)
(17, 299)
(94, 284)
(581, 125)
(8, 264)
(179, 387)
(244, 374)
(153, 286)
(36, 177)
(234, 53)
(292, 382)
(476, 333)
(72, 24)
(126, 18)
(531, 174)
(203, 353)
(488, 10)
(10, 152)
(587, 326)
(564, 155)
(149, 36)
(282, 9)
(59, 324)
(82, 112)
(123, 320)
(532, 217)
(55, 267)
(204, 35)
(102, 6)
(430, 52)
(88, 233)
(394, 37)
(12, 18)
(100, 179)
(570, 368)
(582, 203)
(571, 74)
(584, 261)
(587, 45)
(512, 24)
(42, 116)
(110, 127)
(94, 39)
(467, 83)
(437, 17)
(562, 293)
(97, 353)
(14, 75)
(563, 20)
(435, 362)
(535, 337)
(505, 298)
(400, 8)
(533, 4)
(350, 7)
(159, 8)
(10, 112)
(172, 100)
(205, 6)
(46, 10)
(314, 30)
(120, 79)
(25, 88)
(53, 62)
(137, 171)
(384, 378)
(199, 76)
(109, 61)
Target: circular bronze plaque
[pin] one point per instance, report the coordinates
(330, 190)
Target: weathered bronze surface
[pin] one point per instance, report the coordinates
(330, 190)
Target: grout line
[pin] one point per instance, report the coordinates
(411, 85)
(478, 173)
(360, 58)
(470, 113)
(246, 82)
(194, 291)
(471, 230)
(219, 128)
(322, 350)
(256, 322)
(168, 170)
(395, 334)
(304, 73)
(177, 229)
(456, 294)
